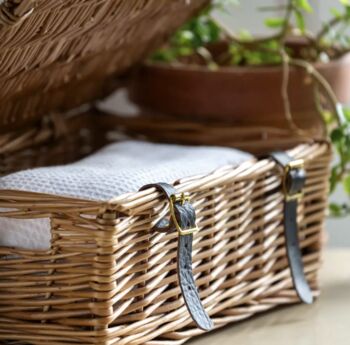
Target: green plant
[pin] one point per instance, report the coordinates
(331, 42)
(341, 170)
(193, 37)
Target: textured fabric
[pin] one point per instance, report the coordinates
(117, 169)
(32, 234)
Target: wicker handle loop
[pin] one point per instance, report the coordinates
(14, 11)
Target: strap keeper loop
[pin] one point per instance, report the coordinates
(294, 180)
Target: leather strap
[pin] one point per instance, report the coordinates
(185, 221)
(293, 183)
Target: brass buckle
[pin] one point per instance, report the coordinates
(293, 165)
(181, 198)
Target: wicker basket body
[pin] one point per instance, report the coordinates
(108, 279)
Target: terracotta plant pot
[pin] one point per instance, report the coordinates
(242, 95)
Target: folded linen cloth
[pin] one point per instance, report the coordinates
(117, 169)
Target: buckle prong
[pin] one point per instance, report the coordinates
(181, 198)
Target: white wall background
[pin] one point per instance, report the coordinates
(246, 16)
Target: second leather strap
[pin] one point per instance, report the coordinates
(294, 178)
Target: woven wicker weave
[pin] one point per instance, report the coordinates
(108, 279)
(64, 139)
(56, 55)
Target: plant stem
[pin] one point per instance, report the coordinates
(281, 36)
(328, 27)
(321, 81)
(247, 43)
(285, 96)
(315, 42)
(286, 25)
(272, 8)
(206, 55)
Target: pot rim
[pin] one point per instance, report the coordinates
(240, 69)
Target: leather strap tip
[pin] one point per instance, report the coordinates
(307, 297)
(207, 327)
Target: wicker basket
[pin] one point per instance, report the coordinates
(108, 278)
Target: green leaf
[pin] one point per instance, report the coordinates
(274, 22)
(336, 13)
(345, 2)
(333, 179)
(245, 35)
(346, 184)
(336, 209)
(304, 5)
(337, 135)
(185, 51)
(300, 21)
(347, 113)
(222, 5)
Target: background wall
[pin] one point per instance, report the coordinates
(246, 16)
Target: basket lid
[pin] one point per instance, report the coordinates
(57, 55)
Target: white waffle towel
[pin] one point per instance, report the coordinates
(117, 169)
